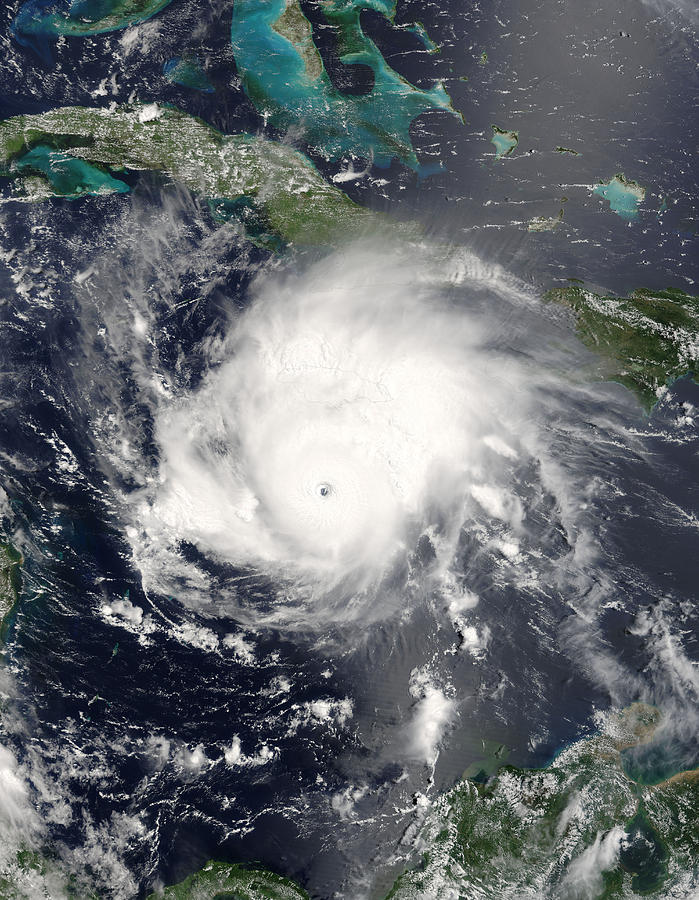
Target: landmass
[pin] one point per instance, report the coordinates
(504, 141)
(218, 880)
(82, 17)
(579, 822)
(567, 150)
(623, 195)
(76, 150)
(50, 172)
(503, 831)
(646, 340)
(546, 223)
(281, 69)
(34, 874)
(284, 76)
(10, 563)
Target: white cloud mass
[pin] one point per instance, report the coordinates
(351, 408)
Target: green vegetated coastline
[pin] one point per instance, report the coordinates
(516, 828)
(623, 195)
(10, 564)
(533, 832)
(517, 832)
(282, 71)
(291, 198)
(222, 880)
(504, 141)
(645, 340)
(540, 832)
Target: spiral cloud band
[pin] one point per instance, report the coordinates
(351, 409)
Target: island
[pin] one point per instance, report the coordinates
(10, 563)
(504, 141)
(504, 831)
(48, 171)
(623, 195)
(546, 223)
(501, 831)
(73, 151)
(281, 69)
(420, 32)
(645, 341)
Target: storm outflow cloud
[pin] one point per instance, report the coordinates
(350, 408)
(669, 10)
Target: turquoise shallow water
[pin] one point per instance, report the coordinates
(187, 72)
(657, 761)
(284, 76)
(67, 175)
(82, 17)
(39, 23)
(504, 141)
(623, 199)
(289, 83)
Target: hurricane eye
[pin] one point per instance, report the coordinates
(324, 489)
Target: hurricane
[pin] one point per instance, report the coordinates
(341, 415)
(360, 406)
(348, 429)
(331, 482)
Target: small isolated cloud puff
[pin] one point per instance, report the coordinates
(125, 609)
